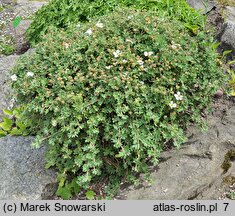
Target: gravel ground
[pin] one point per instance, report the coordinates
(9, 35)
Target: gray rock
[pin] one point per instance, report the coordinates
(219, 93)
(22, 45)
(230, 13)
(227, 37)
(6, 64)
(8, 2)
(22, 172)
(6, 94)
(194, 171)
(24, 8)
(28, 7)
(203, 5)
(227, 34)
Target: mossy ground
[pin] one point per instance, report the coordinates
(229, 156)
(227, 2)
(230, 181)
(7, 32)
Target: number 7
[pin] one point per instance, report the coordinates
(226, 205)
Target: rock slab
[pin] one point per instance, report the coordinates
(7, 2)
(6, 64)
(203, 5)
(22, 172)
(227, 34)
(194, 171)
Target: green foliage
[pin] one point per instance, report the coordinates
(108, 95)
(90, 195)
(230, 71)
(16, 21)
(7, 45)
(7, 49)
(6, 124)
(231, 195)
(7, 41)
(65, 189)
(61, 13)
(232, 82)
(14, 124)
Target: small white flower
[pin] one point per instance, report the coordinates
(148, 53)
(78, 25)
(128, 40)
(172, 105)
(178, 96)
(108, 67)
(130, 17)
(117, 53)
(99, 25)
(174, 47)
(141, 63)
(66, 45)
(124, 61)
(30, 74)
(54, 123)
(89, 32)
(14, 77)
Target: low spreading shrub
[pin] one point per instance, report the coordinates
(108, 95)
(61, 13)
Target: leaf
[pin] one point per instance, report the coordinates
(25, 133)
(8, 112)
(231, 62)
(193, 28)
(37, 142)
(215, 45)
(49, 164)
(16, 21)
(90, 195)
(61, 178)
(64, 192)
(21, 125)
(15, 132)
(6, 124)
(17, 112)
(232, 93)
(2, 133)
(75, 186)
(226, 52)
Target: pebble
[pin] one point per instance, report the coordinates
(219, 94)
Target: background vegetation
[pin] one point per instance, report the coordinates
(61, 13)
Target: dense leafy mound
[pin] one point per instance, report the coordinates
(109, 94)
(61, 13)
